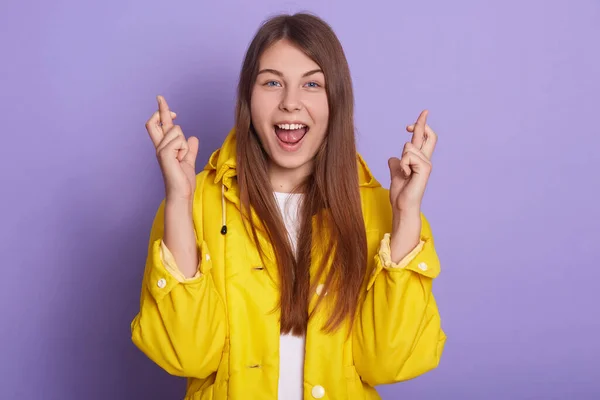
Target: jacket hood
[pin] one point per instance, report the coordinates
(223, 162)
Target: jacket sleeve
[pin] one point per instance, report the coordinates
(397, 333)
(170, 264)
(181, 324)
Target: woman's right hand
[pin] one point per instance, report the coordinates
(176, 155)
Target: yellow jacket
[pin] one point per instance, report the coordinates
(219, 330)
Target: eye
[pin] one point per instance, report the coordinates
(313, 84)
(272, 84)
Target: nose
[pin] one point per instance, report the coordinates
(290, 100)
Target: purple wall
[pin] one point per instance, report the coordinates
(512, 90)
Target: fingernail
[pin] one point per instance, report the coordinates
(158, 98)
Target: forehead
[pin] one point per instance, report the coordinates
(285, 57)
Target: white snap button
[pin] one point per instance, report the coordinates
(162, 283)
(422, 266)
(319, 289)
(318, 392)
(207, 257)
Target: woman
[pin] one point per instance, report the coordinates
(286, 248)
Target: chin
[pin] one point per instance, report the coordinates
(290, 162)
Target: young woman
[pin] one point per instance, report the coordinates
(284, 269)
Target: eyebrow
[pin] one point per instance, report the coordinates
(278, 73)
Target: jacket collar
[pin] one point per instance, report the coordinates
(223, 162)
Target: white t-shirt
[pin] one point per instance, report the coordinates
(291, 348)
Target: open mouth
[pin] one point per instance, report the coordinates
(290, 134)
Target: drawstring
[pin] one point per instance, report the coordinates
(223, 211)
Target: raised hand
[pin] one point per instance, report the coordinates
(410, 173)
(409, 176)
(176, 155)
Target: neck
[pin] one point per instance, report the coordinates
(285, 180)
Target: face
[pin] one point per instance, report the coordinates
(289, 108)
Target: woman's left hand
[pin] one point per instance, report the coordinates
(410, 173)
(409, 176)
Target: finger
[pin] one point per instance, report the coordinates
(411, 127)
(430, 142)
(430, 139)
(419, 130)
(405, 163)
(409, 147)
(170, 136)
(416, 159)
(183, 151)
(156, 116)
(153, 128)
(413, 160)
(193, 145)
(173, 133)
(413, 165)
(394, 164)
(419, 171)
(165, 115)
(175, 147)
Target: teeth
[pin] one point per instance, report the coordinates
(291, 126)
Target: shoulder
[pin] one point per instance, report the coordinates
(206, 189)
(205, 183)
(201, 178)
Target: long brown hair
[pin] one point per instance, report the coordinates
(331, 193)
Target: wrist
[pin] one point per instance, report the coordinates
(179, 196)
(406, 235)
(402, 218)
(175, 204)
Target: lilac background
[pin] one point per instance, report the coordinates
(512, 88)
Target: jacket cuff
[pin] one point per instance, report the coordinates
(168, 261)
(385, 253)
(422, 260)
(162, 279)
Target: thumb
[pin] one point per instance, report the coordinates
(395, 167)
(190, 157)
